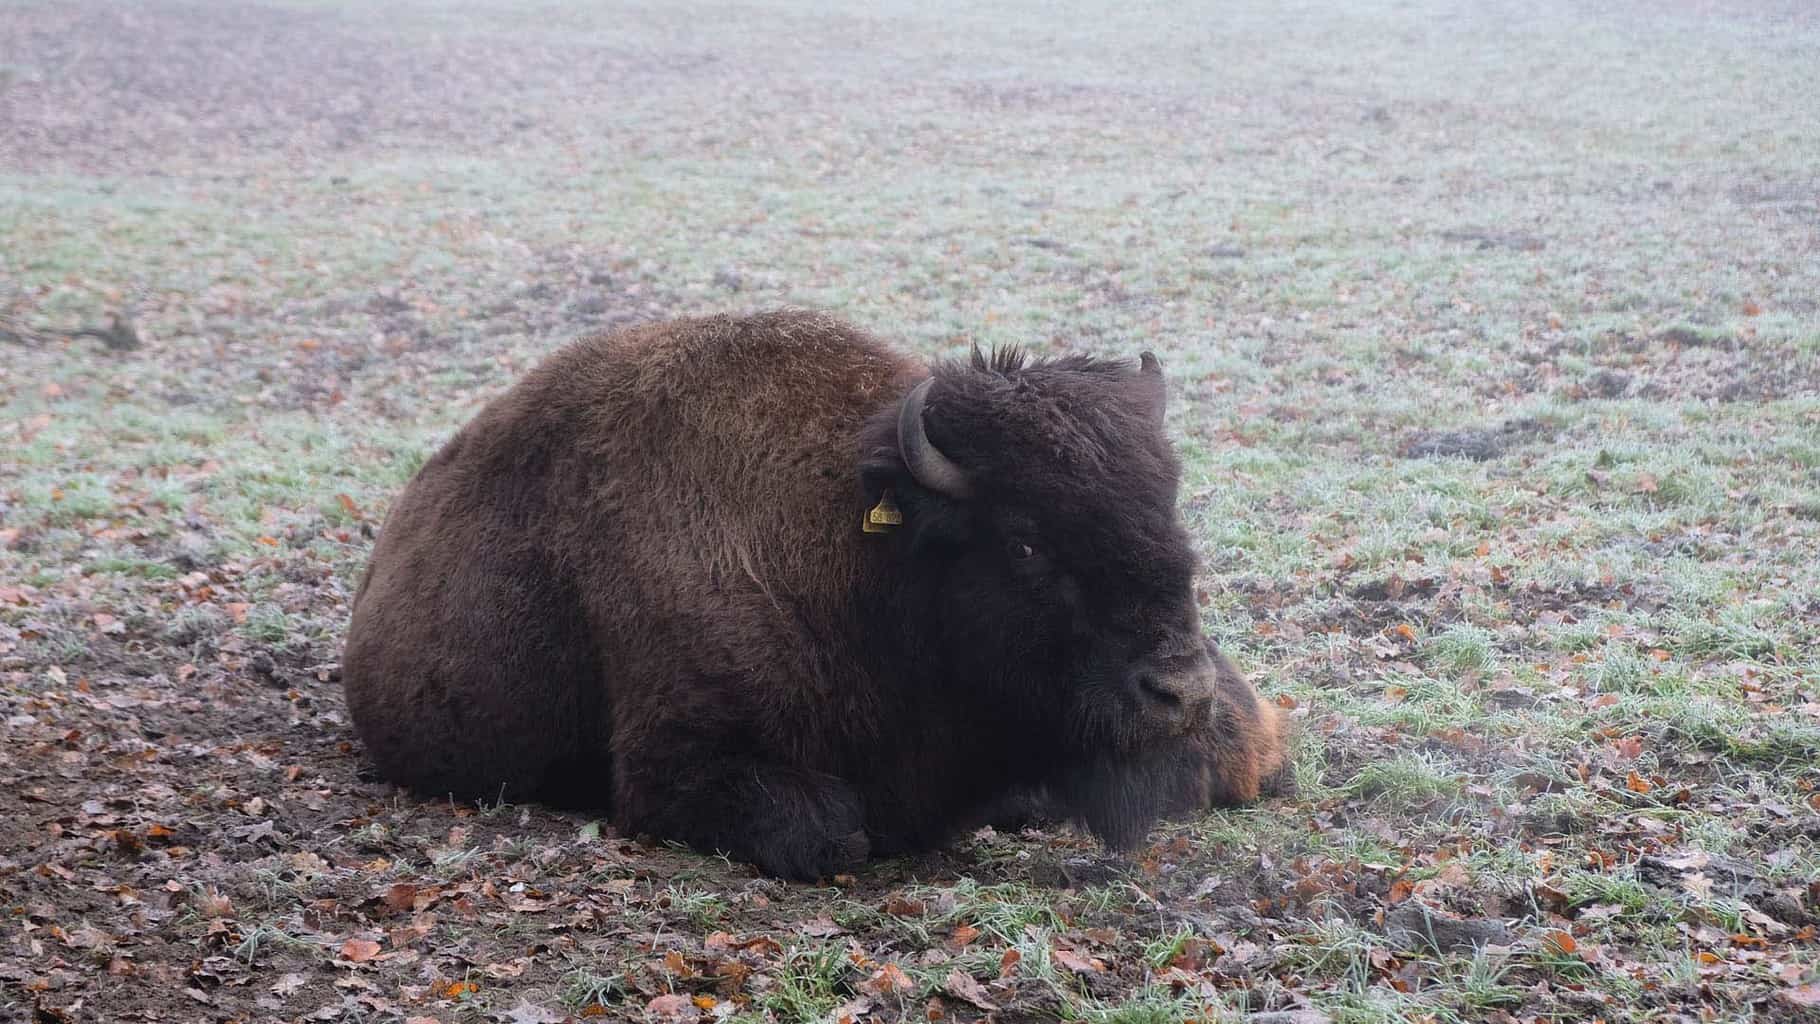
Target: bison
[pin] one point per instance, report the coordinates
(764, 585)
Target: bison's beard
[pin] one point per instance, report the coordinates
(1120, 798)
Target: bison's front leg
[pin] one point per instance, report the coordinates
(789, 822)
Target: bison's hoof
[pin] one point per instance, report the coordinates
(807, 858)
(1280, 783)
(850, 850)
(821, 834)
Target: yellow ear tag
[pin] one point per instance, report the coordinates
(883, 516)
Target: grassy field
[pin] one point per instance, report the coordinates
(1494, 331)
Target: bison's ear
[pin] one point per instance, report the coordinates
(926, 518)
(1150, 388)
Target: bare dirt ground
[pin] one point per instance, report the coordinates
(1495, 335)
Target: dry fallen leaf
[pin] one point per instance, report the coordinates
(509, 969)
(1077, 963)
(359, 950)
(671, 1005)
(964, 986)
(214, 904)
(1801, 995)
(763, 945)
(455, 989)
(887, 980)
(529, 1013)
(903, 906)
(401, 898)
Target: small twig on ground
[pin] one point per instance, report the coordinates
(119, 335)
(11, 330)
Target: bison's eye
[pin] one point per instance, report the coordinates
(1019, 550)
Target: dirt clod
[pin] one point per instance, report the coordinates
(1417, 928)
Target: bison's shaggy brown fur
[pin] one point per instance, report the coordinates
(638, 580)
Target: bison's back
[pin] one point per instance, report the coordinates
(646, 522)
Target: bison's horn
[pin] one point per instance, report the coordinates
(1150, 381)
(927, 464)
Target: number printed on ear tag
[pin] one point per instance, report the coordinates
(883, 515)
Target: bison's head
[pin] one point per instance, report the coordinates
(1053, 571)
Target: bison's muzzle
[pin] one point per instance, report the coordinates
(1181, 698)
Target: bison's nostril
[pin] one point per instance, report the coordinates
(1158, 690)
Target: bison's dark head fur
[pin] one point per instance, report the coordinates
(1046, 567)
